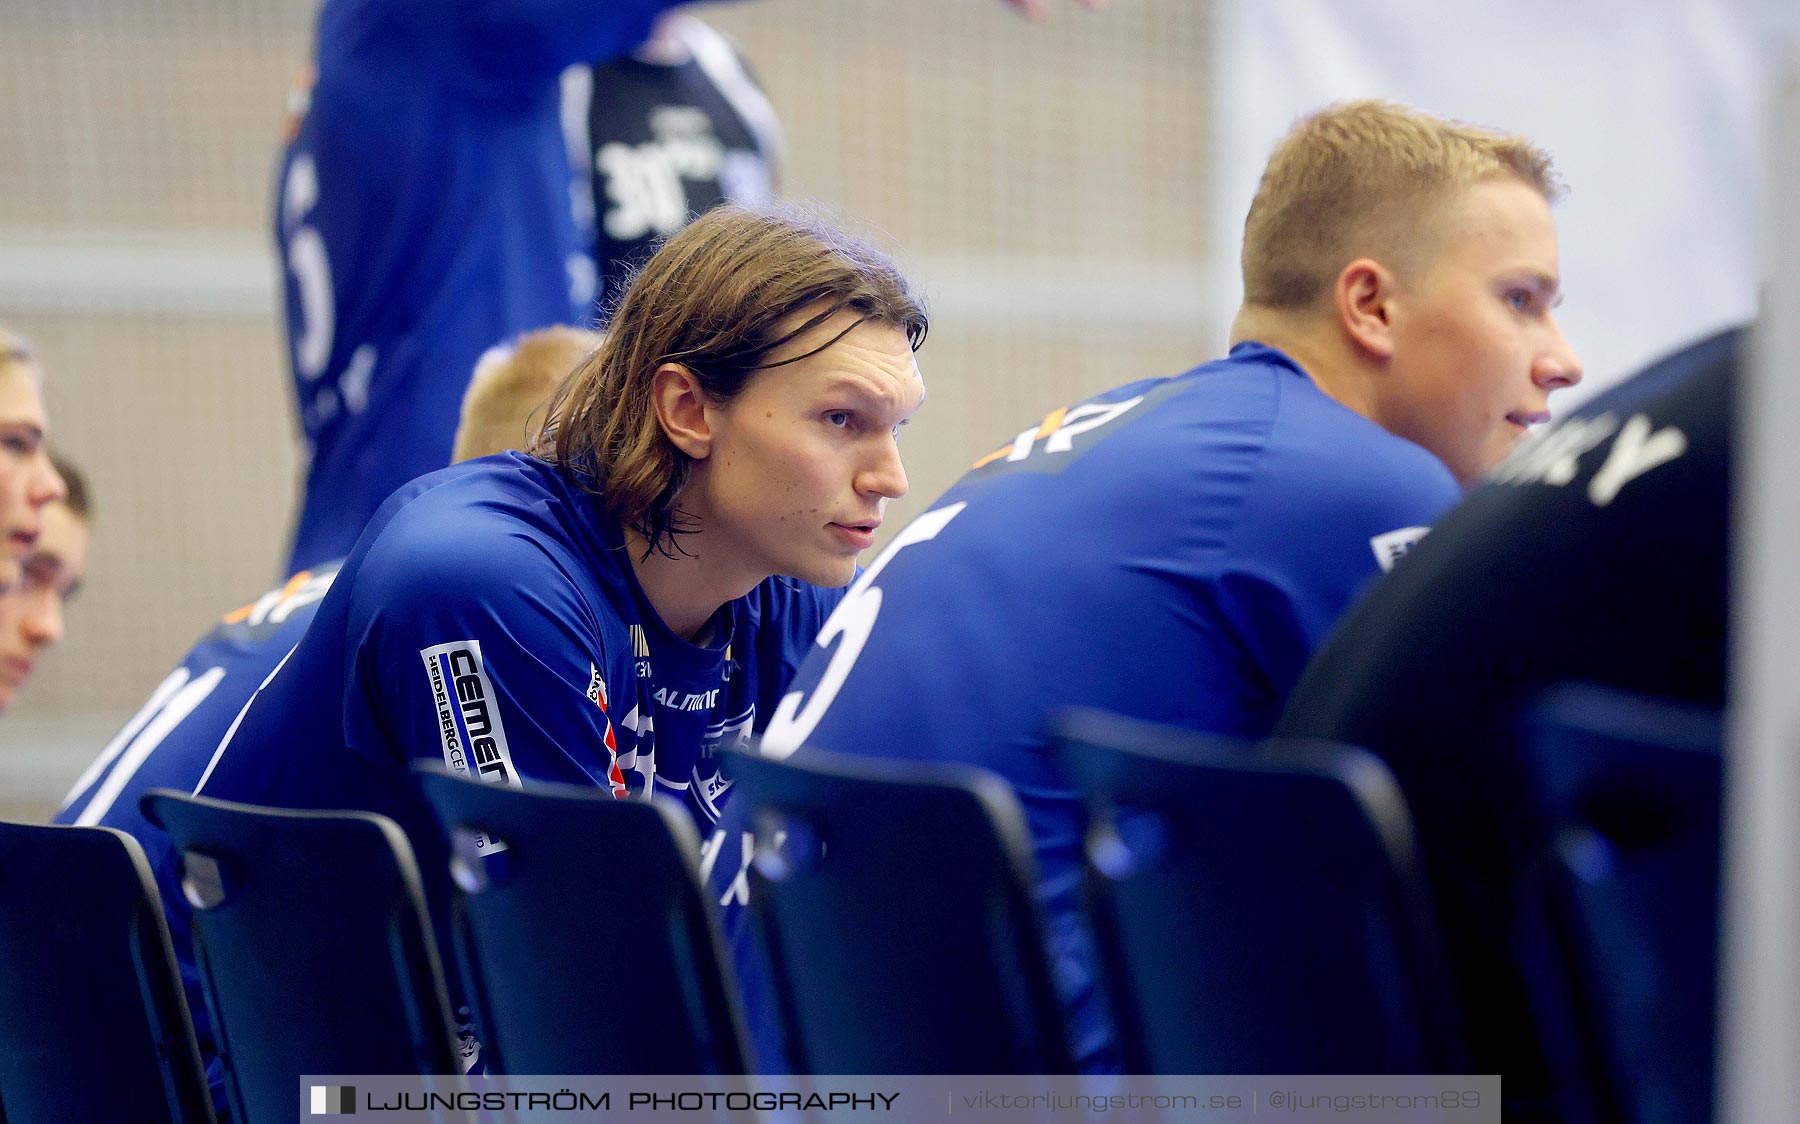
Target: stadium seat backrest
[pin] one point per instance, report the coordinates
(581, 928)
(895, 917)
(1258, 909)
(1628, 788)
(93, 1025)
(314, 949)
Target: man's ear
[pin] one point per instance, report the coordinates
(680, 405)
(1364, 296)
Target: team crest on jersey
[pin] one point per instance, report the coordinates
(469, 722)
(1389, 548)
(597, 694)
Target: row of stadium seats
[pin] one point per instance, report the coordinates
(1256, 912)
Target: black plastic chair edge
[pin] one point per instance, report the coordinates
(1363, 776)
(1004, 814)
(734, 1049)
(165, 1001)
(441, 1057)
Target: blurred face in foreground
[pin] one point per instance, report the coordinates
(27, 479)
(31, 613)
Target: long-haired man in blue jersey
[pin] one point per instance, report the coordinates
(1176, 548)
(636, 592)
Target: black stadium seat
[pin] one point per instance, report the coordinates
(1628, 788)
(1257, 909)
(561, 934)
(313, 944)
(93, 1025)
(896, 919)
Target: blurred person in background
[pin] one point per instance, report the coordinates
(172, 737)
(31, 612)
(660, 135)
(1176, 548)
(28, 480)
(423, 214)
(446, 187)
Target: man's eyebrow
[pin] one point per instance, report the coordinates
(869, 390)
(854, 384)
(1547, 285)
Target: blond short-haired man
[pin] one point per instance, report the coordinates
(1175, 549)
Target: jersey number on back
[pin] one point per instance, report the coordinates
(854, 620)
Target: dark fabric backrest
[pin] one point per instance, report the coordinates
(896, 918)
(1628, 791)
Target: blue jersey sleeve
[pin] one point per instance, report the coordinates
(498, 38)
(509, 37)
(483, 656)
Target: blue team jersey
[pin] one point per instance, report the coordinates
(489, 620)
(171, 739)
(423, 214)
(1173, 550)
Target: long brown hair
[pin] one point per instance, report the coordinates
(718, 298)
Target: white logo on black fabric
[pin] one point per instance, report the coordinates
(1392, 546)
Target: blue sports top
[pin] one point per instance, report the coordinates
(1172, 550)
(489, 620)
(172, 737)
(169, 741)
(423, 214)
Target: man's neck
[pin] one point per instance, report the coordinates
(1316, 344)
(682, 586)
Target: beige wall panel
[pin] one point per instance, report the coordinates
(991, 154)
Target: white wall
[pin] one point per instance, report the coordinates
(1651, 109)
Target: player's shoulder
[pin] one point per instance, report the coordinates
(505, 521)
(1321, 452)
(275, 617)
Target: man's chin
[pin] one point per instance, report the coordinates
(832, 574)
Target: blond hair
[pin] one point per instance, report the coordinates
(1366, 179)
(719, 298)
(512, 384)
